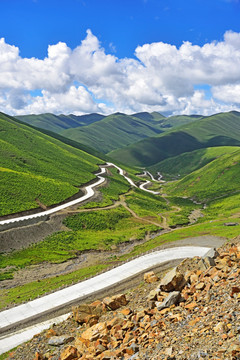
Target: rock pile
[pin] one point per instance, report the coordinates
(191, 315)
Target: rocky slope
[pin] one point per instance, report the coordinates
(191, 313)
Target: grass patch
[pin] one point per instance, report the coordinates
(146, 204)
(215, 228)
(65, 245)
(181, 209)
(99, 220)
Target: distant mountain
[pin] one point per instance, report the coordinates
(217, 130)
(57, 123)
(106, 133)
(38, 168)
(114, 131)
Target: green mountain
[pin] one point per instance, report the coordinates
(181, 165)
(106, 133)
(37, 166)
(218, 178)
(114, 131)
(216, 130)
(57, 123)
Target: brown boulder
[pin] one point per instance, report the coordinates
(95, 332)
(69, 353)
(115, 302)
(173, 280)
(87, 313)
(150, 277)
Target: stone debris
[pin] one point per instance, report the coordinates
(150, 277)
(115, 302)
(172, 299)
(173, 280)
(60, 340)
(192, 314)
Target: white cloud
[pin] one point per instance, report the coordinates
(161, 78)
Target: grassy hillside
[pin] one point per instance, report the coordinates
(217, 179)
(114, 131)
(217, 130)
(57, 123)
(34, 165)
(72, 143)
(181, 165)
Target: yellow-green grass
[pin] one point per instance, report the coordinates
(146, 204)
(34, 165)
(20, 189)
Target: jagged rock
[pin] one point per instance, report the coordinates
(150, 277)
(82, 344)
(193, 278)
(88, 313)
(69, 353)
(116, 301)
(231, 224)
(206, 262)
(172, 299)
(173, 280)
(153, 294)
(212, 253)
(60, 340)
(95, 332)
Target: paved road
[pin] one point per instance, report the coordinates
(59, 299)
(89, 193)
(142, 187)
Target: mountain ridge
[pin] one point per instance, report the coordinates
(222, 129)
(106, 133)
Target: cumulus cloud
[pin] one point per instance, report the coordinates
(86, 79)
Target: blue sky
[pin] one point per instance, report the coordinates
(124, 32)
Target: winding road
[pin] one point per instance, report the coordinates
(89, 193)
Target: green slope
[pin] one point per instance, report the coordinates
(114, 131)
(217, 179)
(217, 130)
(186, 163)
(57, 123)
(72, 143)
(34, 165)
